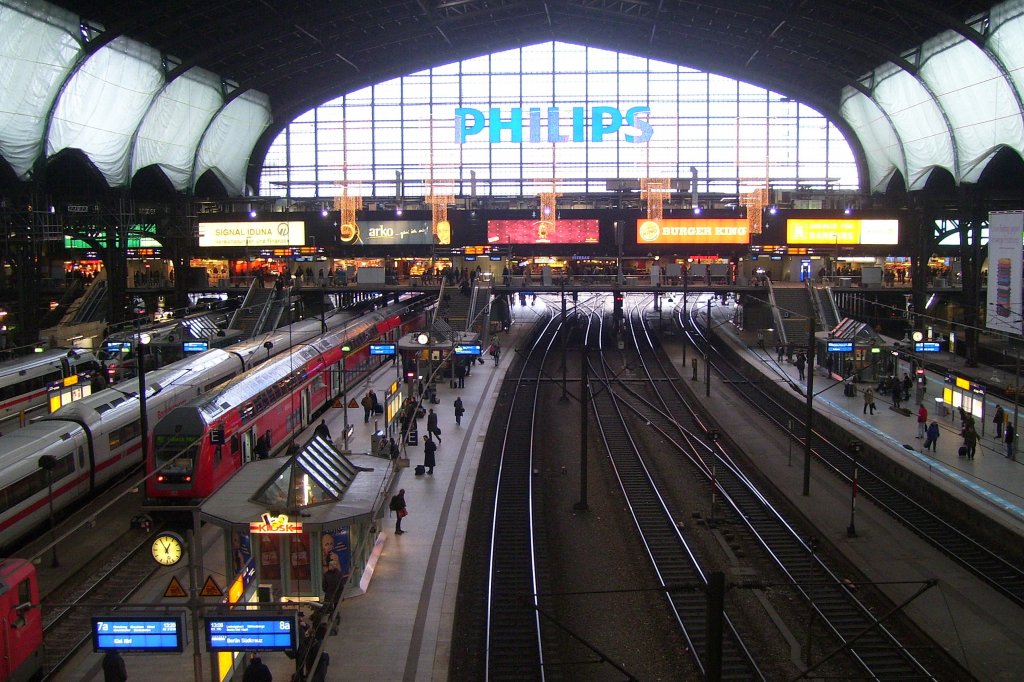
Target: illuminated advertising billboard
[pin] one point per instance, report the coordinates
(842, 231)
(389, 232)
(255, 233)
(542, 231)
(693, 231)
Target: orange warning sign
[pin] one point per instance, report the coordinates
(353, 403)
(211, 588)
(175, 589)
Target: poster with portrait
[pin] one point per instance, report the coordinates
(334, 546)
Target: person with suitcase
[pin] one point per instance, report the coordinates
(459, 410)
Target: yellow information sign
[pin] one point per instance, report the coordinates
(175, 589)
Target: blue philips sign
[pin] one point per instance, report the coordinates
(126, 633)
(383, 349)
(251, 633)
(548, 128)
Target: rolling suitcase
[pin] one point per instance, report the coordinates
(419, 470)
(962, 451)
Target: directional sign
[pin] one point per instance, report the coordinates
(163, 633)
(175, 589)
(467, 349)
(383, 348)
(265, 632)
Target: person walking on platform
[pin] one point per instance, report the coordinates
(459, 410)
(429, 450)
(970, 439)
(398, 506)
(322, 430)
(907, 385)
(998, 421)
(367, 403)
(897, 394)
(432, 428)
(1009, 439)
(869, 400)
(801, 362)
(932, 439)
(922, 420)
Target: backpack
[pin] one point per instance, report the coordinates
(393, 506)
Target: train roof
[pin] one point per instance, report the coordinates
(48, 357)
(21, 448)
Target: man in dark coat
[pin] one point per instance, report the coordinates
(257, 671)
(429, 448)
(113, 667)
(432, 427)
(332, 583)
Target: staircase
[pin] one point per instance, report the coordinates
(824, 306)
(257, 309)
(792, 307)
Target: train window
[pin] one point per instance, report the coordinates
(81, 458)
(217, 456)
(25, 592)
(235, 444)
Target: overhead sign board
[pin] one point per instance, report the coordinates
(253, 234)
(693, 231)
(538, 231)
(389, 232)
(467, 349)
(927, 346)
(842, 231)
(163, 633)
(265, 632)
(840, 346)
(195, 346)
(383, 348)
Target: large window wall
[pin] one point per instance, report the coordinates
(735, 134)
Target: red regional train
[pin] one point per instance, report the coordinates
(21, 647)
(200, 445)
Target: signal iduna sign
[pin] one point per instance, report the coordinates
(254, 233)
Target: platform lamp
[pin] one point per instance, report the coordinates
(269, 345)
(344, 395)
(143, 342)
(48, 463)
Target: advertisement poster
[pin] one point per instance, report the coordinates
(542, 231)
(335, 549)
(388, 232)
(1005, 240)
(693, 231)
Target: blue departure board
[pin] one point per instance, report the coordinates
(251, 633)
(383, 349)
(195, 346)
(840, 346)
(128, 633)
(467, 349)
(927, 347)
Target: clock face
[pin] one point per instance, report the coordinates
(166, 549)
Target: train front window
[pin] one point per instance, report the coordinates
(174, 455)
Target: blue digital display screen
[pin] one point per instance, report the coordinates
(840, 346)
(251, 633)
(927, 346)
(383, 349)
(467, 349)
(118, 347)
(195, 346)
(138, 634)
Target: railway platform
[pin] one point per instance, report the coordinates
(400, 628)
(970, 620)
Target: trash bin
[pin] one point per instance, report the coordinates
(850, 389)
(941, 408)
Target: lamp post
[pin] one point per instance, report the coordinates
(48, 463)
(143, 341)
(344, 396)
(713, 436)
(268, 345)
(851, 530)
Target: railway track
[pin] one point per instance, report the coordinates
(109, 580)
(858, 633)
(724, 656)
(960, 545)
